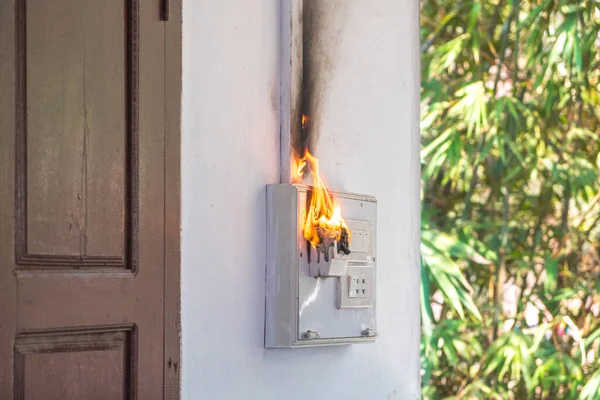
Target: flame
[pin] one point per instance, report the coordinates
(301, 166)
(324, 212)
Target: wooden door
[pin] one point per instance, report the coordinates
(88, 200)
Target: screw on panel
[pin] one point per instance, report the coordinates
(369, 332)
(311, 335)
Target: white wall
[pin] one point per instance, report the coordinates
(369, 143)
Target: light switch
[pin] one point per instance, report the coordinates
(361, 243)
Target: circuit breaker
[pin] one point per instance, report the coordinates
(315, 298)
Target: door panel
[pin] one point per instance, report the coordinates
(86, 365)
(82, 200)
(77, 67)
(75, 126)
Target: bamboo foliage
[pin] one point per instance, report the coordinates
(511, 199)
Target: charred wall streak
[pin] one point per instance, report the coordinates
(296, 81)
(290, 85)
(323, 27)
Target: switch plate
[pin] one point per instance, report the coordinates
(361, 244)
(304, 305)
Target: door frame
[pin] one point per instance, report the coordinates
(172, 187)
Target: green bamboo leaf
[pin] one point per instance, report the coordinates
(448, 279)
(426, 311)
(577, 55)
(592, 337)
(512, 174)
(453, 246)
(445, 56)
(500, 141)
(426, 320)
(428, 120)
(533, 15)
(551, 279)
(571, 8)
(558, 48)
(435, 144)
(469, 304)
(475, 47)
(449, 351)
(435, 164)
(590, 390)
(474, 15)
(438, 261)
(449, 290)
(515, 151)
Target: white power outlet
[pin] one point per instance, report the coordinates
(359, 286)
(356, 290)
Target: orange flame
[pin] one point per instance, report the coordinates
(323, 212)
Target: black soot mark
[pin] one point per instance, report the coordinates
(323, 25)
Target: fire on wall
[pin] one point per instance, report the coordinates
(321, 243)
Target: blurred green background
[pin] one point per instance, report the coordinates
(510, 199)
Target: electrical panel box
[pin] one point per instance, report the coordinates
(310, 300)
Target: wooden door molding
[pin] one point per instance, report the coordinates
(173, 203)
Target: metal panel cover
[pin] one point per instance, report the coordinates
(302, 310)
